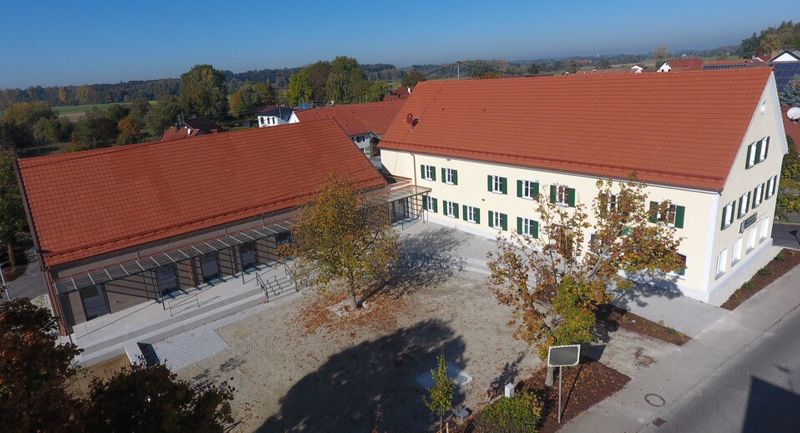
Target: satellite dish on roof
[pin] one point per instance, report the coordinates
(793, 113)
(409, 117)
(414, 122)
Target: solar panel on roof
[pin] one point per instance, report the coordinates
(785, 72)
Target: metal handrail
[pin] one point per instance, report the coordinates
(291, 276)
(181, 301)
(263, 285)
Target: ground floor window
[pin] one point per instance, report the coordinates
(498, 220)
(751, 239)
(451, 209)
(429, 204)
(528, 227)
(737, 251)
(682, 270)
(722, 262)
(95, 303)
(167, 278)
(249, 255)
(472, 214)
(764, 229)
(209, 266)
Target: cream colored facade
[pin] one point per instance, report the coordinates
(703, 238)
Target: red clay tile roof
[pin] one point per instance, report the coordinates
(401, 92)
(686, 63)
(175, 133)
(676, 129)
(98, 201)
(356, 119)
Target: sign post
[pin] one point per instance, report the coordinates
(563, 356)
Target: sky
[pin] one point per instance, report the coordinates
(44, 42)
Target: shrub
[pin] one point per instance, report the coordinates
(748, 285)
(764, 271)
(780, 257)
(520, 414)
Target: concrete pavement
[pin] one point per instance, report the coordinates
(786, 235)
(655, 398)
(31, 283)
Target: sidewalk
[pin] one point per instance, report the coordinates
(638, 406)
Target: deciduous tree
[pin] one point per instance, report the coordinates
(556, 279)
(163, 114)
(344, 79)
(317, 74)
(299, 90)
(440, 395)
(203, 91)
(411, 78)
(94, 129)
(12, 214)
(344, 235)
(152, 399)
(34, 372)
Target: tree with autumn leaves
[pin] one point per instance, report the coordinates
(556, 281)
(344, 235)
(36, 393)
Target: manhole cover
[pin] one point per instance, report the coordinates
(654, 400)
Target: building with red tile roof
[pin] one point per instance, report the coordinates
(94, 214)
(708, 141)
(362, 122)
(685, 64)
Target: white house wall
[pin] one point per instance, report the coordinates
(472, 190)
(740, 181)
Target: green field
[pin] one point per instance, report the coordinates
(74, 111)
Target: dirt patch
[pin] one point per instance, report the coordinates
(781, 264)
(611, 316)
(102, 371)
(334, 313)
(583, 386)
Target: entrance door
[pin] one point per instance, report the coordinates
(167, 278)
(94, 301)
(249, 256)
(399, 210)
(209, 266)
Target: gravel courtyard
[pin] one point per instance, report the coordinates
(289, 380)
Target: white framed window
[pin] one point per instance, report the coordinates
(451, 209)
(751, 239)
(498, 220)
(529, 227)
(758, 195)
(737, 251)
(763, 149)
(428, 172)
(771, 186)
(757, 152)
(763, 229)
(450, 176)
(429, 204)
(728, 214)
(744, 204)
(562, 195)
(612, 202)
(472, 214)
(497, 184)
(682, 270)
(722, 262)
(529, 189)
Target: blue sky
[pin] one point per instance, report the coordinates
(45, 42)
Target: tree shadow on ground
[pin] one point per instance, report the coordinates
(770, 407)
(645, 285)
(344, 393)
(425, 260)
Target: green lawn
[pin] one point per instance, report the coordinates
(80, 109)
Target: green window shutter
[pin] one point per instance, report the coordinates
(435, 206)
(571, 195)
(455, 177)
(464, 211)
(455, 209)
(519, 225)
(653, 212)
(444, 207)
(536, 229)
(766, 151)
(504, 185)
(747, 159)
(758, 150)
(433, 173)
(552, 193)
(477, 216)
(535, 189)
(422, 171)
(504, 221)
(680, 211)
(491, 219)
(489, 183)
(444, 177)
(519, 188)
(724, 216)
(424, 203)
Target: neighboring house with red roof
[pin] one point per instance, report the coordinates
(120, 226)
(401, 92)
(190, 128)
(685, 64)
(273, 116)
(710, 142)
(361, 122)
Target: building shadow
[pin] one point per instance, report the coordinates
(771, 408)
(425, 259)
(344, 393)
(645, 285)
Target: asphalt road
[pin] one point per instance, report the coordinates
(787, 236)
(30, 284)
(757, 391)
